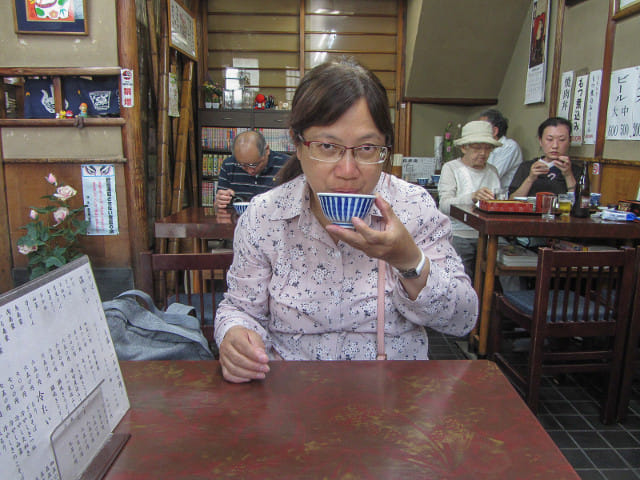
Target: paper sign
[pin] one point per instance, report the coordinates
(564, 100)
(593, 107)
(99, 193)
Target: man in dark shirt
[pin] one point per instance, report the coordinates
(250, 170)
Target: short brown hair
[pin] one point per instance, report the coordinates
(325, 94)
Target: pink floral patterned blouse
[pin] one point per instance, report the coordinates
(311, 299)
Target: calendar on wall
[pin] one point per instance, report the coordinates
(61, 388)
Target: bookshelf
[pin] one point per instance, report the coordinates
(218, 129)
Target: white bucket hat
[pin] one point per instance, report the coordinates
(477, 131)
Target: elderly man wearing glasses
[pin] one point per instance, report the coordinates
(250, 170)
(467, 180)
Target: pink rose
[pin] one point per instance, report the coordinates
(60, 214)
(447, 135)
(65, 192)
(33, 215)
(24, 250)
(51, 179)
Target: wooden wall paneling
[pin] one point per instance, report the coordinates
(135, 176)
(620, 181)
(301, 45)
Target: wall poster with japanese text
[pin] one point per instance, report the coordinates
(99, 194)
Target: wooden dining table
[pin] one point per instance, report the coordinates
(197, 222)
(312, 420)
(490, 226)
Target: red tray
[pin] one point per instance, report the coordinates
(506, 206)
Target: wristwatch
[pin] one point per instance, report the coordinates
(414, 272)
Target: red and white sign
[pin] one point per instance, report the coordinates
(126, 84)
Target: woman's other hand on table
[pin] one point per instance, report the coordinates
(242, 356)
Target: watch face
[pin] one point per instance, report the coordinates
(409, 273)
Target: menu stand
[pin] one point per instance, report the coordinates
(62, 389)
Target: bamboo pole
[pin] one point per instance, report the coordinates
(153, 45)
(135, 177)
(193, 164)
(182, 143)
(163, 123)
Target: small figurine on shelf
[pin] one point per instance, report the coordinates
(61, 114)
(260, 102)
(83, 110)
(271, 102)
(68, 114)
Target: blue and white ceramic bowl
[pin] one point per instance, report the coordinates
(341, 207)
(240, 207)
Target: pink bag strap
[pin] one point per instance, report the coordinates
(380, 329)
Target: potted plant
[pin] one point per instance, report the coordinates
(212, 93)
(52, 235)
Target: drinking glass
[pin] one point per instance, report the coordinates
(501, 193)
(547, 205)
(565, 201)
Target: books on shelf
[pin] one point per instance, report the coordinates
(516, 256)
(221, 138)
(211, 163)
(209, 188)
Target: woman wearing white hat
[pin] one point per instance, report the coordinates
(467, 180)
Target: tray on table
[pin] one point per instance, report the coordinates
(507, 206)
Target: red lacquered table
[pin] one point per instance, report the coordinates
(378, 419)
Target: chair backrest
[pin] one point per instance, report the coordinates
(588, 290)
(182, 277)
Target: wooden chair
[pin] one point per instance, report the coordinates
(576, 320)
(182, 277)
(631, 361)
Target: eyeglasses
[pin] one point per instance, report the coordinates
(477, 147)
(332, 152)
(247, 165)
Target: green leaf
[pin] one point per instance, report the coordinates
(37, 271)
(54, 262)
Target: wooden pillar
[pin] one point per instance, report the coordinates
(6, 282)
(135, 177)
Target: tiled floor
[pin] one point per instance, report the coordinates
(569, 413)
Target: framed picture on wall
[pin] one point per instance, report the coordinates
(625, 8)
(182, 25)
(50, 16)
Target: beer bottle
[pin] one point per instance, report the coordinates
(582, 201)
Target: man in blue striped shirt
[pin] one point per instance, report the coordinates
(250, 170)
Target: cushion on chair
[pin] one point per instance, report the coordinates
(195, 302)
(523, 301)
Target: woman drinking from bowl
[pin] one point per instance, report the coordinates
(301, 288)
(553, 172)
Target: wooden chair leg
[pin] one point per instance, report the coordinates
(494, 343)
(534, 372)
